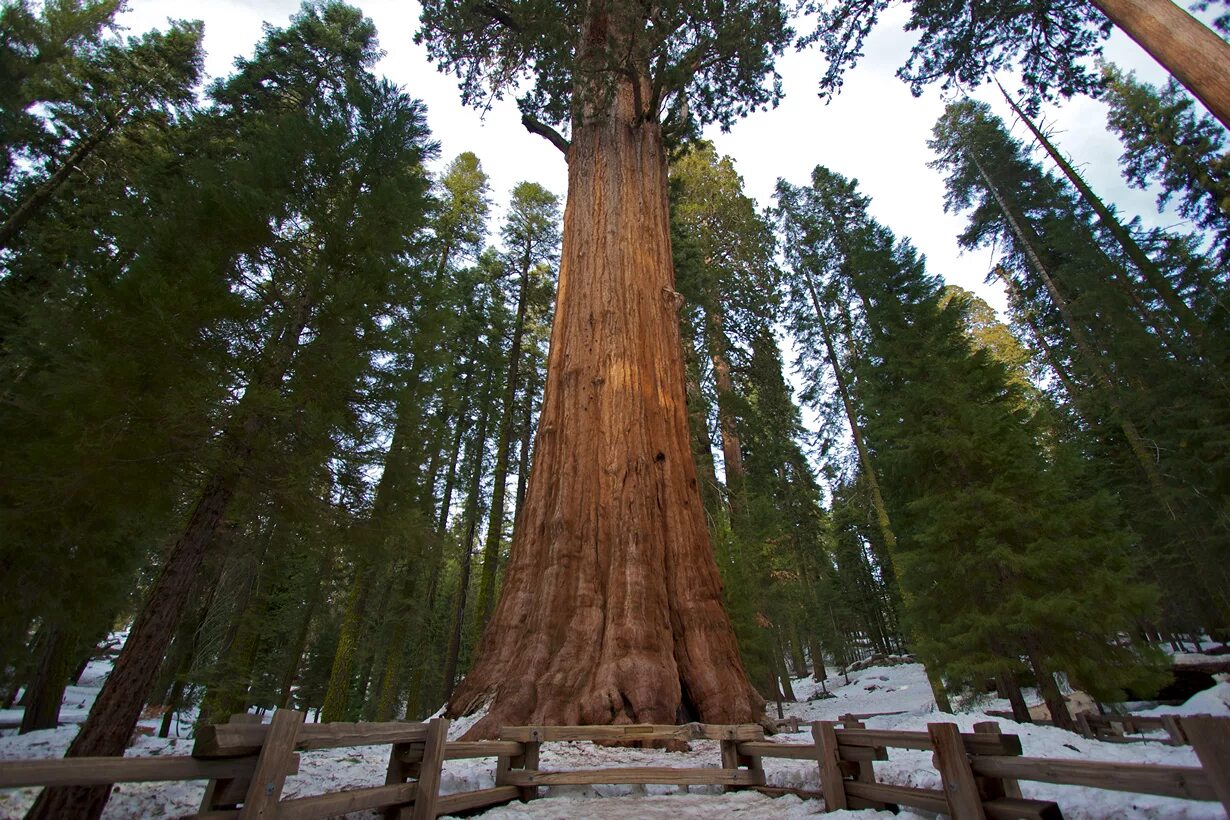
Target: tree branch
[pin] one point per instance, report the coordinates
(499, 15)
(547, 132)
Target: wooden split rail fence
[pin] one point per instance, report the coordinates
(247, 764)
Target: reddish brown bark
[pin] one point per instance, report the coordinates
(611, 608)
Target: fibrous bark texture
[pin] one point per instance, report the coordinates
(611, 608)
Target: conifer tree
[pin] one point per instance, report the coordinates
(341, 158)
(1167, 143)
(974, 497)
(1121, 375)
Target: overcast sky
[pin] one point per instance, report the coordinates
(875, 131)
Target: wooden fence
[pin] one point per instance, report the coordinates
(247, 764)
(1118, 728)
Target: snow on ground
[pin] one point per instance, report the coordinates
(901, 687)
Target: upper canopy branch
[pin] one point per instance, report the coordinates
(543, 130)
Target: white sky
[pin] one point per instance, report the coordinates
(875, 131)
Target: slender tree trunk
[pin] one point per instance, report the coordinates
(1050, 690)
(40, 196)
(698, 419)
(732, 447)
(446, 502)
(45, 691)
(305, 626)
(1192, 52)
(783, 674)
(1083, 345)
(473, 513)
(336, 705)
(503, 445)
(816, 650)
(611, 607)
(1187, 319)
(1008, 688)
(527, 430)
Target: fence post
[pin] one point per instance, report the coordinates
(273, 764)
(824, 735)
(1210, 738)
(429, 773)
(960, 788)
(218, 793)
(399, 771)
(996, 787)
(1173, 728)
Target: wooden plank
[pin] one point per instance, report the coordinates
(237, 739)
(925, 799)
(785, 751)
(273, 765)
(1210, 739)
(344, 802)
(831, 781)
(94, 771)
(404, 760)
(1174, 729)
(463, 750)
(993, 788)
(425, 807)
(633, 775)
(782, 791)
(91, 771)
(730, 757)
(467, 801)
(1014, 808)
(637, 731)
(230, 792)
(960, 787)
(529, 760)
(975, 744)
(1170, 781)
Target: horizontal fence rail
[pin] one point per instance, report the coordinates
(247, 763)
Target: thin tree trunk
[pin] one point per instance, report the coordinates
(611, 606)
(45, 692)
(503, 445)
(473, 512)
(1083, 345)
(1192, 52)
(816, 650)
(1008, 688)
(1186, 318)
(527, 431)
(699, 423)
(336, 705)
(732, 447)
(305, 625)
(40, 196)
(1050, 690)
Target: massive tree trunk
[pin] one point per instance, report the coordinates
(611, 608)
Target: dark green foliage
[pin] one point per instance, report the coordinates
(701, 63)
(963, 44)
(1168, 142)
(998, 556)
(1151, 411)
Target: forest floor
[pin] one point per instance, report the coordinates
(901, 687)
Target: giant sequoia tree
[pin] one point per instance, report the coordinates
(611, 607)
